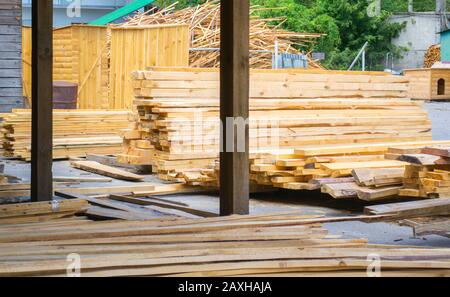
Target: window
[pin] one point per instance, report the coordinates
(441, 87)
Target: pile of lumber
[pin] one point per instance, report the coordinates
(178, 126)
(204, 26)
(343, 171)
(76, 132)
(427, 174)
(282, 244)
(432, 56)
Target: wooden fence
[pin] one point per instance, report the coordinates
(100, 59)
(166, 45)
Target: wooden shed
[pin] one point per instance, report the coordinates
(429, 83)
(95, 58)
(80, 56)
(10, 55)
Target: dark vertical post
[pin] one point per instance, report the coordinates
(42, 102)
(234, 105)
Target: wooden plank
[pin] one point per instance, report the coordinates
(133, 212)
(342, 190)
(101, 169)
(81, 179)
(419, 159)
(369, 194)
(112, 161)
(373, 176)
(422, 208)
(161, 204)
(437, 151)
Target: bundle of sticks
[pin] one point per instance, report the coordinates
(204, 22)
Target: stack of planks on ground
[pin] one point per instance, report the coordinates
(427, 174)
(343, 171)
(41, 211)
(76, 132)
(178, 128)
(282, 244)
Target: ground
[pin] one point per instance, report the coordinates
(305, 201)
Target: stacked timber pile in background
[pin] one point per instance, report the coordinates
(204, 22)
(432, 56)
(282, 244)
(427, 174)
(76, 132)
(178, 127)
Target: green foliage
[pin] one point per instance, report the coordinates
(347, 25)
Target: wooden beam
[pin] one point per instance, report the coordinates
(234, 105)
(42, 102)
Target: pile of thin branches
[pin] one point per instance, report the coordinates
(204, 23)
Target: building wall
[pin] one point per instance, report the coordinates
(90, 10)
(420, 33)
(445, 46)
(10, 55)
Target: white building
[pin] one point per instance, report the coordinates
(89, 10)
(421, 31)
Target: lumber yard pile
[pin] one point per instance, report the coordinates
(76, 132)
(280, 244)
(204, 26)
(427, 174)
(364, 171)
(178, 128)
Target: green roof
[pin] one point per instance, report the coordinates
(121, 12)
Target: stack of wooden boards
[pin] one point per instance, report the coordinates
(343, 171)
(178, 129)
(41, 211)
(76, 132)
(427, 174)
(282, 244)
